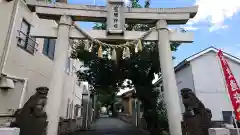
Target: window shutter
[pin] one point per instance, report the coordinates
(45, 46)
(51, 49)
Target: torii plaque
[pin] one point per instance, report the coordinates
(115, 19)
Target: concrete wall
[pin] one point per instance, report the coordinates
(10, 99)
(78, 90)
(184, 79)
(5, 12)
(37, 67)
(209, 83)
(71, 92)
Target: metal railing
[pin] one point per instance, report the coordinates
(128, 118)
(27, 41)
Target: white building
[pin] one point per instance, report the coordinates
(202, 73)
(29, 62)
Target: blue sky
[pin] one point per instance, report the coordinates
(216, 24)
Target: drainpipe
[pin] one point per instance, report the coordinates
(8, 37)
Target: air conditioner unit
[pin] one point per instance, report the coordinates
(6, 83)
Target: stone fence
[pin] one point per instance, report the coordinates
(125, 117)
(140, 122)
(70, 125)
(9, 131)
(223, 131)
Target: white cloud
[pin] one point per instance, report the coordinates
(190, 28)
(215, 12)
(216, 27)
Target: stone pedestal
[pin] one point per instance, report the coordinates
(218, 131)
(9, 131)
(85, 111)
(196, 125)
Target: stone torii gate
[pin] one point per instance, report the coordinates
(116, 15)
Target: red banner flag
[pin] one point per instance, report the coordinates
(231, 84)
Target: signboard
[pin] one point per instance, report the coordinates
(115, 19)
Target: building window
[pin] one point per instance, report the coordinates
(227, 117)
(24, 40)
(49, 47)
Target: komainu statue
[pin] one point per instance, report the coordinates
(196, 118)
(32, 119)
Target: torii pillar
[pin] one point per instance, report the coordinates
(55, 92)
(171, 96)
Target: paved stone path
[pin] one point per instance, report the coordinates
(111, 126)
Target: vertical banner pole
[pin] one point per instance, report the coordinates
(229, 97)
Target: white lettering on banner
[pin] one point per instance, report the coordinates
(237, 97)
(223, 60)
(229, 73)
(233, 85)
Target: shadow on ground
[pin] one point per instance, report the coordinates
(111, 126)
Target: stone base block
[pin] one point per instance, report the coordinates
(9, 131)
(218, 131)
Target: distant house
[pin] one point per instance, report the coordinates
(127, 101)
(202, 73)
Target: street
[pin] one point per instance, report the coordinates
(111, 126)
